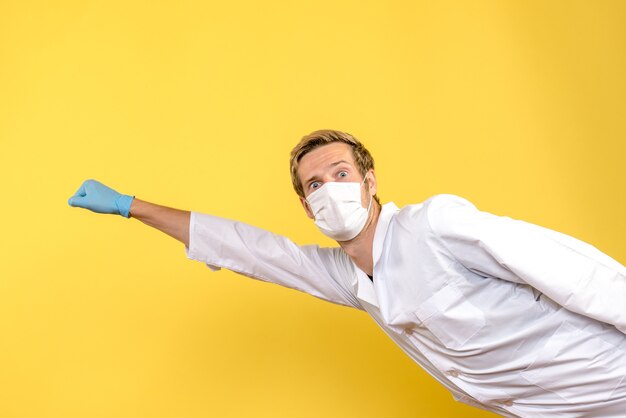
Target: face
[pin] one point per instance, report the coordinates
(328, 163)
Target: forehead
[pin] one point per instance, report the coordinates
(321, 158)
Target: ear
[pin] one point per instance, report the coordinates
(371, 182)
(306, 207)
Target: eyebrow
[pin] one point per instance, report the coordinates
(336, 163)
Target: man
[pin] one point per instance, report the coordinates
(510, 317)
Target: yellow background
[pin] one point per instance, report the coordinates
(517, 106)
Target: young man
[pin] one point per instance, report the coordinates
(510, 317)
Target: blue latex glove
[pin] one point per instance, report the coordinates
(99, 198)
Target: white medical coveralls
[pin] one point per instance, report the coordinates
(509, 316)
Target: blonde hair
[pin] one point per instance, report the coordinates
(308, 143)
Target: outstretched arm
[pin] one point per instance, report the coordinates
(242, 248)
(99, 198)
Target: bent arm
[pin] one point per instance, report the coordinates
(573, 273)
(174, 222)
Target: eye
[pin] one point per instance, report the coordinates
(315, 185)
(343, 173)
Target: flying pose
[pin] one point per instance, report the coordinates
(509, 316)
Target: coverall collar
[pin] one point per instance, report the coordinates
(364, 286)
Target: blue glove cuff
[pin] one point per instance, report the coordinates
(123, 204)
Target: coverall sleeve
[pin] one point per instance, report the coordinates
(262, 255)
(573, 273)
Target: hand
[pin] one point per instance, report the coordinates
(99, 198)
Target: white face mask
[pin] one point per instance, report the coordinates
(338, 211)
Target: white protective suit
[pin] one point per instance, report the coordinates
(509, 316)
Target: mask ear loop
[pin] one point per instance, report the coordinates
(370, 204)
(309, 206)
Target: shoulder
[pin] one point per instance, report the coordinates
(435, 204)
(436, 211)
(331, 256)
(446, 200)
